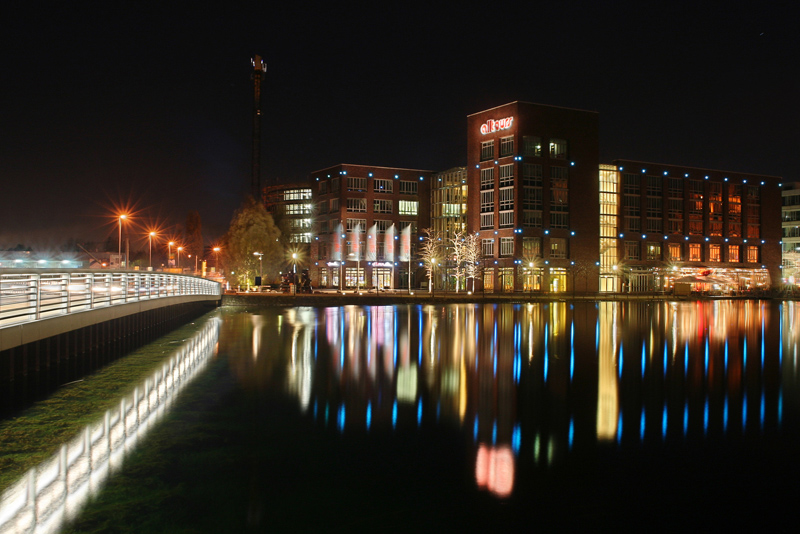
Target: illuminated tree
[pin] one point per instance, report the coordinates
(459, 244)
(252, 230)
(430, 252)
(472, 258)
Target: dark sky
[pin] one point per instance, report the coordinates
(138, 104)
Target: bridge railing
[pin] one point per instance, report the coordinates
(32, 295)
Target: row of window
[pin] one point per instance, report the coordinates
(359, 205)
(382, 225)
(531, 247)
(635, 184)
(653, 251)
(379, 185)
(531, 147)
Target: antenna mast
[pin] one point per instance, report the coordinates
(259, 68)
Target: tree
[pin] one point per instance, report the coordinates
(252, 230)
(472, 258)
(192, 234)
(458, 243)
(431, 252)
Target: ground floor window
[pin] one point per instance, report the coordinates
(382, 278)
(558, 280)
(609, 284)
(323, 277)
(353, 276)
(488, 279)
(532, 280)
(507, 279)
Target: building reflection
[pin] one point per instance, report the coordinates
(532, 384)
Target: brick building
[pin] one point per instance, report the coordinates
(686, 225)
(533, 196)
(357, 207)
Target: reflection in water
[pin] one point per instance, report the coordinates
(53, 492)
(530, 384)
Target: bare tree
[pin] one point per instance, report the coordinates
(458, 244)
(472, 257)
(430, 252)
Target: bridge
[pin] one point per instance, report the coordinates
(70, 321)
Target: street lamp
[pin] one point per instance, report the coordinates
(216, 262)
(294, 262)
(179, 257)
(169, 252)
(151, 236)
(119, 252)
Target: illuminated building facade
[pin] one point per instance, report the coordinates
(292, 209)
(678, 226)
(533, 184)
(367, 221)
(449, 212)
(790, 215)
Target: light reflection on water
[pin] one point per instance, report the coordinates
(531, 384)
(53, 492)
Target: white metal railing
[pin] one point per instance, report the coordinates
(55, 491)
(30, 295)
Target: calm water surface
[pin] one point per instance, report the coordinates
(657, 416)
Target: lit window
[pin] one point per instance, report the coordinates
(653, 251)
(695, 253)
(675, 252)
(558, 248)
(558, 149)
(714, 253)
(532, 146)
(408, 207)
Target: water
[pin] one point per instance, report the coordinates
(657, 416)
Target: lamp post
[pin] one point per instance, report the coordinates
(294, 262)
(151, 236)
(216, 259)
(119, 252)
(169, 252)
(179, 257)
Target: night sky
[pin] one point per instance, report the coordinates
(149, 108)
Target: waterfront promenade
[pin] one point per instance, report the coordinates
(350, 297)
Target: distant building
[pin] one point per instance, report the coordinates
(356, 207)
(677, 224)
(533, 196)
(291, 207)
